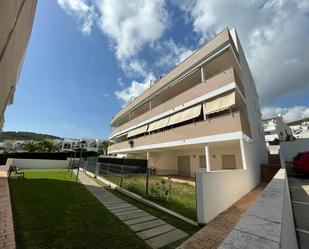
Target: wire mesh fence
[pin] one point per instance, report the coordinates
(172, 191)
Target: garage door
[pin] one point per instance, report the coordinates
(183, 165)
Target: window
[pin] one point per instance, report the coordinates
(202, 161)
(228, 162)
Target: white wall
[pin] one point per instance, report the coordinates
(39, 163)
(291, 148)
(218, 190)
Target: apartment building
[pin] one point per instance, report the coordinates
(202, 115)
(275, 128)
(16, 19)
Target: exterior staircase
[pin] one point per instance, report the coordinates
(268, 171)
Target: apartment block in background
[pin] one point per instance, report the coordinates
(16, 19)
(203, 115)
(275, 128)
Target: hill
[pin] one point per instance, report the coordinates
(23, 135)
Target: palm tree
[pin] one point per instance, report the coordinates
(30, 146)
(102, 149)
(46, 145)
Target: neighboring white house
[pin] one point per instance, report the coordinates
(275, 128)
(300, 128)
(90, 144)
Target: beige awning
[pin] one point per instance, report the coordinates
(158, 124)
(220, 103)
(138, 131)
(185, 115)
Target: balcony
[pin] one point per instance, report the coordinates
(218, 125)
(220, 80)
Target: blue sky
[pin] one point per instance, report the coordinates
(86, 59)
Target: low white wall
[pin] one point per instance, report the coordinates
(269, 222)
(39, 163)
(218, 190)
(291, 148)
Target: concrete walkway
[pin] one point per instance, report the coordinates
(155, 232)
(299, 189)
(213, 234)
(7, 237)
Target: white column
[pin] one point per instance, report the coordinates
(207, 158)
(243, 154)
(202, 74)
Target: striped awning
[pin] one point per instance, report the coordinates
(158, 124)
(185, 115)
(138, 131)
(220, 103)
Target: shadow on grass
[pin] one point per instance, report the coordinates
(50, 210)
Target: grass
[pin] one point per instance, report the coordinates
(181, 197)
(50, 210)
(180, 224)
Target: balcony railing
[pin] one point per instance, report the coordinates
(224, 78)
(218, 125)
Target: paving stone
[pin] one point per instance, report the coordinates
(132, 216)
(147, 234)
(133, 211)
(139, 220)
(124, 209)
(119, 206)
(300, 194)
(166, 238)
(147, 225)
(301, 212)
(303, 239)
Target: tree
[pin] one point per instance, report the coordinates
(30, 146)
(46, 145)
(102, 148)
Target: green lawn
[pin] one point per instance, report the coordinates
(181, 197)
(50, 210)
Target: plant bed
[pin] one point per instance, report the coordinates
(178, 197)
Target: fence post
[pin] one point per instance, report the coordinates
(147, 180)
(121, 180)
(96, 171)
(107, 168)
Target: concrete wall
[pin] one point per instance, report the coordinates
(291, 148)
(39, 163)
(269, 222)
(218, 190)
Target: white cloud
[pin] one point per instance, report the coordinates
(134, 90)
(288, 114)
(85, 13)
(68, 126)
(132, 24)
(171, 53)
(273, 33)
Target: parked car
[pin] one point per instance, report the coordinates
(301, 163)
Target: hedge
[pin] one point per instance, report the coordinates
(124, 161)
(42, 155)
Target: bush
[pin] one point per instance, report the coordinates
(160, 190)
(276, 141)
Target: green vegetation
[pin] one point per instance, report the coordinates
(50, 210)
(179, 197)
(22, 135)
(44, 145)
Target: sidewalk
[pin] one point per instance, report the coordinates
(213, 234)
(155, 232)
(7, 237)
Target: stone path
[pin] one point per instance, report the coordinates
(299, 190)
(213, 234)
(155, 232)
(7, 237)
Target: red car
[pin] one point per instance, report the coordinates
(301, 163)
